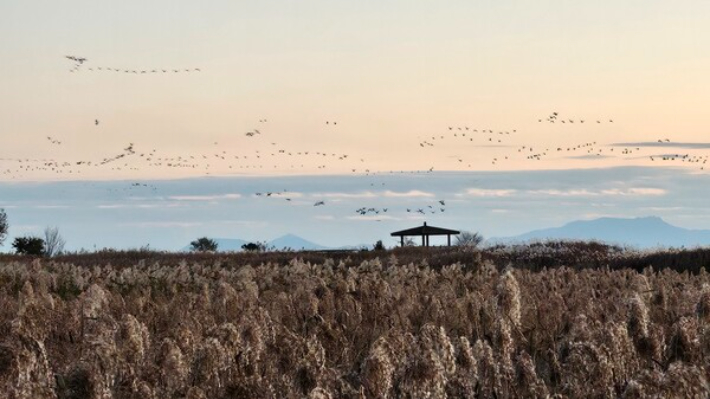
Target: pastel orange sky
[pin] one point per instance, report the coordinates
(393, 74)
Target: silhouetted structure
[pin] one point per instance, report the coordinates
(424, 232)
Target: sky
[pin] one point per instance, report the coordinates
(349, 91)
(356, 210)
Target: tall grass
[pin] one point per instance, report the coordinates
(386, 327)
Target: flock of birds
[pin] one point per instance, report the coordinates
(438, 207)
(79, 63)
(554, 117)
(486, 137)
(262, 151)
(472, 133)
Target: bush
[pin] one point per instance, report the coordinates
(204, 244)
(29, 246)
(469, 239)
(3, 226)
(254, 247)
(53, 242)
(409, 242)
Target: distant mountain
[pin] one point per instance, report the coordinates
(642, 232)
(223, 245)
(230, 244)
(290, 241)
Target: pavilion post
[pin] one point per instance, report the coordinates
(448, 239)
(401, 240)
(423, 241)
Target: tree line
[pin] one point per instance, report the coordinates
(52, 243)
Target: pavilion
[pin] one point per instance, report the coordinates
(424, 232)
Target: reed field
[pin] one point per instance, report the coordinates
(554, 320)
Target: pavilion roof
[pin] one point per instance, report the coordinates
(425, 230)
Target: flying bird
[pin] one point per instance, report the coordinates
(80, 60)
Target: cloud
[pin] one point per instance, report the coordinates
(564, 193)
(484, 192)
(243, 223)
(620, 189)
(325, 217)
(162, 224)
(372, 217)
(500, 210)
(662, 208)
(673, 156)
(112, 206)
(370, 194)
(663, 144)
(187, 224)
(138, 206)
(591, 156)
(137, 198)
(204, 197)
(280, 194)
(365, 194)
(647, 191)
(408, 194)
(634, 191)
(593, 215)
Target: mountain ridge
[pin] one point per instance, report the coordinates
(643, 232)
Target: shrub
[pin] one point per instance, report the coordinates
(204, 244)
(409, 242)
(469, 239)
(3, 226)
(254, 247)
(29, 246)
